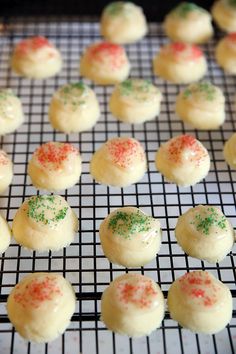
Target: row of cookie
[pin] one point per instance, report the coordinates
(119, 162)
(41, 305)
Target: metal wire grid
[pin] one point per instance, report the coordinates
(83, 262)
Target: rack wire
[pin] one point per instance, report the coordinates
(83, 262)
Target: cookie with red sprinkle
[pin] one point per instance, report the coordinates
(40, 306)
(200, 302)
(36, 58)
(105, 63)
(132, 305)
(180, 63)
(183, 160)
(55, 166)
(119, 162)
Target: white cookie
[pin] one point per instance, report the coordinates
(119, 162)
(204, 232)
(200, 302)
(36, 58)
(180, 63)
(188, 23)
(123, 22)
(224, 14)
(105, 63)
(129, 237)
(55, 166)
(40, 306)
(5, 237)
(45, 222)
(230, 151)
(11, 112)
(135, 101)
(6, 171)
(202, 105)
(74, 108)
(132, 305)
(183, 160)
(226, 53)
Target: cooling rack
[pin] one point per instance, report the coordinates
(83, 262)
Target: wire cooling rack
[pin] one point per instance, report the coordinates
(83, 262)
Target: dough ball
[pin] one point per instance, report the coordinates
(123, 22)
(6, 171)
(129, 237)
(204, 232)
(36, 58)
(119, 162)
(55, 166)
(200, 302)
(135, 101)
(183, 160)
(188, 23)
(45, 222)
(5, 238)
(132, 305)
(202, 105)
(230, 151)
(224, 14)
(40, 306)
(11, 112)
(180, 63)
(226, 53)
(105, 63)
(74, 108)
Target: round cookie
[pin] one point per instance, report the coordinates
(119, 162)
(74, 108)
(202, 105)
(5, 238)
(123, 22)
(226, 53)
(129, 237)
(183, 160)
(55, 166)
(36, 58)
(200, 302)
(224, 14)
(45, 222)
(132, 305)
(230, 151)
(40, 306)
(204, 232)
(6, 171)
(105, 63)
(180, 63)
(135, 101)
(188, 23)
(11, 112)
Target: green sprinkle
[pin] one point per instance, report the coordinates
(126, 224)
(4, 94)
(184, 8)
(204, 87)
(231, 2)
(71, 94)
(38, 205)
(212, 218)
(116, 8)
(135, 88)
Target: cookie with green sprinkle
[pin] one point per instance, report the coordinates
(129, 237)
(224, 15)
(45, 222)
(205, 233)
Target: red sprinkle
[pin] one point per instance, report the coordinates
(101, 51)
(140, 295)
(231, 37)
(191, 52)
(37, 292)
(3, 158)
(124, 151)
(32, 44)
(52, 155)
(177, 145)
